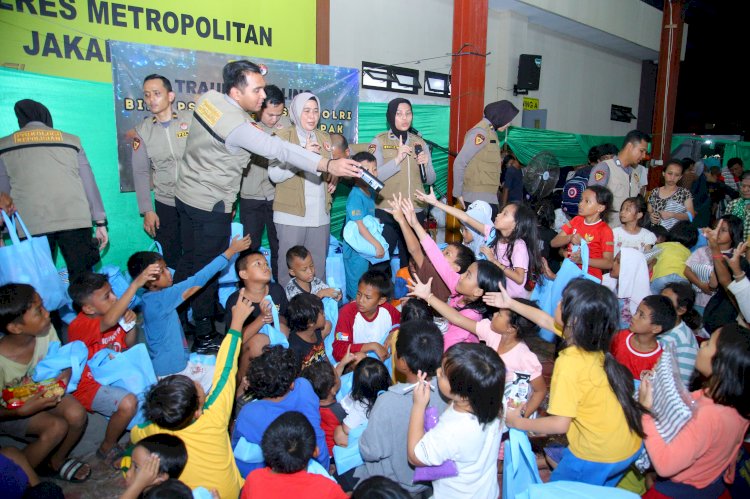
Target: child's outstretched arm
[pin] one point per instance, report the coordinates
(119, 308)
(412, 243)
(423, 290)
(450, 210)
(501, 299)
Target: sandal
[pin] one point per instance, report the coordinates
(67, 471)
(112, 457)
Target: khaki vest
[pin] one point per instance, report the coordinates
(165, 148)
(255, 182)
(290, 194)
(622, 187)
(483, 171)
(42, 165)
(209, 173)
(407, 179)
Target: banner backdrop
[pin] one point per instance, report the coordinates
(192, 73)
(69, 37)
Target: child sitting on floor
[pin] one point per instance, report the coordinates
(301, 267)
(288, 444)
(57, 422)
(154, 460)
(308, 328)
(99, 325)
(636, 347)
(165, 339)
(273, 381)
(178, 406)
(364, 323)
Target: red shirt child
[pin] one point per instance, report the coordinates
(598, 236)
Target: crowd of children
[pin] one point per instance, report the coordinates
(304, 374)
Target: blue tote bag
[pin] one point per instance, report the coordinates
(30, 262)
(275, 336)
(519, 467)
(548, 293)
(130, 370)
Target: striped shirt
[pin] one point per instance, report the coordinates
(682, 339)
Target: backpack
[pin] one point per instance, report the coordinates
(572, 192)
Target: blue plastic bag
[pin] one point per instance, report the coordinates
(519, 466)
(130, 370)
(72, 355)
(347, 458)
(30, 262)
(335, 270)
(362, 245)
(346, 386)
(273, 331)
(331, 311)
(572, 490)
(548, 293)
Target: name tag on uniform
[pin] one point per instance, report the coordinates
(182, 135)
(390, 147)
(30, 136)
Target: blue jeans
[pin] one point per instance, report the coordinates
(575, 469)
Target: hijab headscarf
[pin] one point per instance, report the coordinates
(30, 110)
(500, 113)
(295, 114)
(390, 116)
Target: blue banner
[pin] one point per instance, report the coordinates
(193, 72)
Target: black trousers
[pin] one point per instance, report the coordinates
(204, 235)
(78, 248)
(255, 216)
(168, 233)
(395, 239)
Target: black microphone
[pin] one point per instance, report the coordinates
(418, 151)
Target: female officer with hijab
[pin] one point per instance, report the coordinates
(476, 170)
(302, 202)
(404, 165)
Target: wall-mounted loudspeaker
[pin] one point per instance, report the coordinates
(529, 69)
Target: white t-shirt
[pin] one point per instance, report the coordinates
(624, 239)
(474, 449)
(356, 412)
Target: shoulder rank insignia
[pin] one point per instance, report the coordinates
(478, 139)
(136, 143)
(256, 125)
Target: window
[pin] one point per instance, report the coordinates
(391, 78)
(437, 84)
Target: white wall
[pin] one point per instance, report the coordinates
(579, 82)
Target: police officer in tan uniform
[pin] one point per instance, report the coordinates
(50, 178)
(158, 147)
(476, 169)
(400, 167)
(618, 174)
(221, 140)
(257, 192)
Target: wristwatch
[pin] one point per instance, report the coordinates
(100, 223)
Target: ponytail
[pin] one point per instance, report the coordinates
(621, 381)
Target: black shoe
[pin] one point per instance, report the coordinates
(206, 345)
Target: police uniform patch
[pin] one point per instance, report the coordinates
(183, 126)
(136, 143)
(598, 175)
(37, 135)
(208, 112)
(371, 148)
(478, 139)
